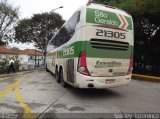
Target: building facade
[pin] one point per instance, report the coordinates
(28, 58)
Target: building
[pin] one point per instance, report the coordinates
(6, 53)
(28, 58)
(31, 56)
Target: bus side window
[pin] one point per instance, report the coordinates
(66, 33)
(71, 25)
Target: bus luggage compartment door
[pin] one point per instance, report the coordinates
(70, 70)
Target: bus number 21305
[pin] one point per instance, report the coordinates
(107, 33)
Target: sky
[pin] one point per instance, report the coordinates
(30, 7)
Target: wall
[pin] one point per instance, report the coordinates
(23, 59)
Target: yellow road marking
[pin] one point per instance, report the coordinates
(27, 110)
(3, 79)
(144, 76)
(8, 89)
(15, 87)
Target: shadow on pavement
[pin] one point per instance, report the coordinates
(93, 93)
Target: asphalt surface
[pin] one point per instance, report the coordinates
(38, 95)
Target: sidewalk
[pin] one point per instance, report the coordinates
(20, 73)
(145, 77)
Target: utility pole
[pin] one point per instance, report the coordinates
(55, 9)
(35, 57)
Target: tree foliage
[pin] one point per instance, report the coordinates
(39, 29)
(15, 48)
(8, 19)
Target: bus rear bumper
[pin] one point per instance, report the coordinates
(101, 82)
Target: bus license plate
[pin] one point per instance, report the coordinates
(108, 81)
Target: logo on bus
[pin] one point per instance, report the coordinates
(68, 51)
(100, 64)
(101, 17)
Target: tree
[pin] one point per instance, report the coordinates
(15, 48)
(8, 19)
(39, 29)
(146, 21)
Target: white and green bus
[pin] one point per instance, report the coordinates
(93, 49)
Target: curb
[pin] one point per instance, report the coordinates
(145, 77)
(20, 73)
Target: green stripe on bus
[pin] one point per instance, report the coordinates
(94, 52)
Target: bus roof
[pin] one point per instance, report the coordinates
(107, 8)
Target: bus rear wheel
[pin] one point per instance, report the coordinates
(63, 83)
(56, 75)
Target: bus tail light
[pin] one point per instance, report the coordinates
(130, 65)
(82, 64)
(110, 6)
(89, 3)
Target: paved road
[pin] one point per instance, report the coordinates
(37, 94)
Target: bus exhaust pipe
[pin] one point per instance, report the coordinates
(90, 85)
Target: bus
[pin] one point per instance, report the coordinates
(93, 49)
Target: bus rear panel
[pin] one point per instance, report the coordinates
(108, 56)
